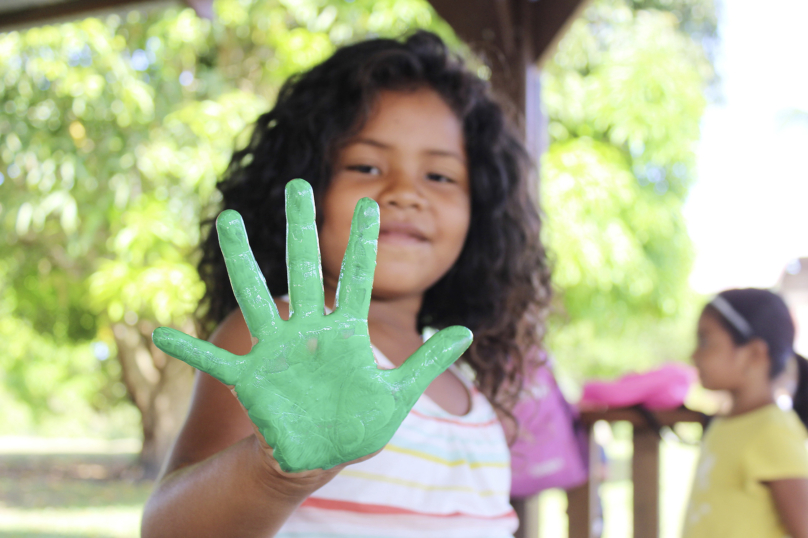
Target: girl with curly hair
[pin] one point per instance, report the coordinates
(405, 124)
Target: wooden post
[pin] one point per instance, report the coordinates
(582, 502)
(511, 36)
(645, 471)
(527, 510)
(645, 476)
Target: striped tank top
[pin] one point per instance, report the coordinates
(440, 476)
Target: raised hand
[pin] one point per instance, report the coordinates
(310, 384)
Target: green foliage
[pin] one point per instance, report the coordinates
(113, 133)
(52, 381)
(624, 96)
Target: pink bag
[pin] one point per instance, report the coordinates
(663, 388)
(551, 449)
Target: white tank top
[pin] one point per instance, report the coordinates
(440, 476)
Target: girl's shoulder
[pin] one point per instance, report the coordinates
(233, 335)
(772, 418)
(763, 430)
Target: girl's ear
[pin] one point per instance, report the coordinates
(759, 353)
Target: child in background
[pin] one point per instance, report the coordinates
(752, 476)
(403, 123)
(799, 396)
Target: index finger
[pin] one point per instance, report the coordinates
(249, 284)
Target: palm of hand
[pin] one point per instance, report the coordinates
(310, 384)
(311, 396)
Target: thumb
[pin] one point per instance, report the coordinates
(430, 360)
(200, 354)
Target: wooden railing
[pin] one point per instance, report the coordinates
(582, 501)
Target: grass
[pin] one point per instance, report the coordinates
(53, 488)
(68, 488)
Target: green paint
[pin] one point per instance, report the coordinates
(310, 384)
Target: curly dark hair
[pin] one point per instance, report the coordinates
(499, 287)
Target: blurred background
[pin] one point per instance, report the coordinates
(674, 166)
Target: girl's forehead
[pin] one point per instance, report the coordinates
(709, 322)
(420, 108)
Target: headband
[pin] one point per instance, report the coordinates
(732, 316)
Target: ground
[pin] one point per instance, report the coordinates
(53, 488)
(69, 488)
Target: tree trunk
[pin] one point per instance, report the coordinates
(159, 385)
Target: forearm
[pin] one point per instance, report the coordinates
(233, 493)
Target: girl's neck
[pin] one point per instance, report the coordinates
(751, 398)
(397, 314)
(392, 325)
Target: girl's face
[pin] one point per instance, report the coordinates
(410, 158)
(721, 364)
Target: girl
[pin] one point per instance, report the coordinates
(752, 476)
(405, 124)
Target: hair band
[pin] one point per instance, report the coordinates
(732, 316)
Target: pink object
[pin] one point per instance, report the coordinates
(551, 447)
(662, 388)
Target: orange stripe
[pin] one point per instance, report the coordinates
(361, 508)
(457, 422)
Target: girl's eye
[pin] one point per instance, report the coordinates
(440, 178)
(365, 169)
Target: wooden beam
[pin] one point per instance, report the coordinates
(551, 21)
(491, 29)
(39, 14)
(502, 23)
(511, 36)
(505, 24)
(666, 417)
(474, 21)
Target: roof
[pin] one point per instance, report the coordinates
(21, 14)
(493, 22)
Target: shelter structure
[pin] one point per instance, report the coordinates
(513, 36)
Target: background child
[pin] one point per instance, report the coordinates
(752, 476)
(405, 124)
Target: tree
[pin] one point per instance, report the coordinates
(113, 134)
(624, 95)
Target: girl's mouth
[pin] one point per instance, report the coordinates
(401, 232)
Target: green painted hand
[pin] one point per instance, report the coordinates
(310, 384)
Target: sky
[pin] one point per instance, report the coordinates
(747, 213)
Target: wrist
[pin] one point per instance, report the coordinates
(293, 488)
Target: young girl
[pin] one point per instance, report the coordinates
(752, 477)
(405, 124)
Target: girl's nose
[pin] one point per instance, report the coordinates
(402, 189)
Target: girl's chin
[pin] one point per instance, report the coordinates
(711, 386)
(398, 291)
(399, 285)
